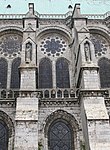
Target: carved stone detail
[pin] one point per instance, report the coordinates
(93, 93)
(61, 114)
(59, 102)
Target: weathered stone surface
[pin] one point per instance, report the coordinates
(27, 109)
(85, 111)
(26, 135)
(95, 108)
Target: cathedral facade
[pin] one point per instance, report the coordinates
(54, 81)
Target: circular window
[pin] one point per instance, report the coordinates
(10, 45)
(100, 44)
(53, 46)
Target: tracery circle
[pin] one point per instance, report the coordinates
(100, 44)
(53, 46)
(10, 44)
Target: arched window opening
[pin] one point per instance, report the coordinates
(104, 64)
(10, 94)
(53, 94)
(62, 73)
(72, 93)
(3, 94)
(60, 136)
(45, 74)
(59, 93)
(15, 75)
(3, 136)
(3, 73)
(66, 93)
(46, 94)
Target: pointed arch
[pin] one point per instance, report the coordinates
(60, 135)
(3, 73)
(60, 127)
(45, 73)
(15, 75)
(62, 73)
(6, 132)
(104, 71)
(3, 135)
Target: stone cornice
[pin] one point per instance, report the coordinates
(7, 103)
(65, 102)
(93, 93)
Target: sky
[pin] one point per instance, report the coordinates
(54, 6)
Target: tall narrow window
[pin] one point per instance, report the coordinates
(3, 73)
(3, 136)
(62, 73)
(104, 64)
(45, 74)
(60, 136)
(15, 75)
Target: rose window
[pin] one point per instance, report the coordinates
(100, 44)
(53, 46)
(10, 45)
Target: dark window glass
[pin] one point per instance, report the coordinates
(53, 94)
(53, 46)
(3, 136)
(45, 74)
(3, 73)
(36, 78)
(66, 93)
(60, 136)
(46, 93)
(59, 93)
(3, 94)
(15, 75)
(100, 44)
(62, 73)
(104, 71)
(10, 43)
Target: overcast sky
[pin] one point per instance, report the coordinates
(54, 6)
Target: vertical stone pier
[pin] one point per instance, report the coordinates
(26, 127)
(26, 130)
(95, 119)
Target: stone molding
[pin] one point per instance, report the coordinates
(66, 102)
(61, 114)
(5, 118)
(50, 28)
(93, 93)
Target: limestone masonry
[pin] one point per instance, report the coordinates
(54, 81)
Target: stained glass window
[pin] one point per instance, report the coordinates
(10, 44)
(3, 73)
(45, 74)
(62, 73)
(100, 44)
(3, 136)
(104, 64)
(53, 45)
(15, 75)
(60, 136)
